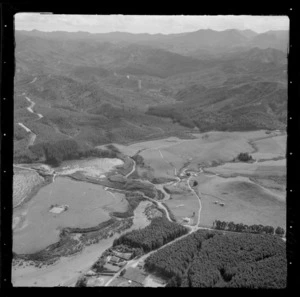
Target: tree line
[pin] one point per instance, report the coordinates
(68, 149)
(240, 227)
(155, 235)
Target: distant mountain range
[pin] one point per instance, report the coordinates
(183, 43)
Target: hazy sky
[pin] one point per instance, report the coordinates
(146, 24)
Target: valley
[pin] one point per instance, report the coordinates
(127, 145)
(176, 165)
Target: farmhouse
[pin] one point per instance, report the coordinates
(114, 260)
(124, 256)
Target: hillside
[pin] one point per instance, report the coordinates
(96, 88)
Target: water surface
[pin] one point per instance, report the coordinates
(89, 205)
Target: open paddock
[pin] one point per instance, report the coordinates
(183, 206)
(262, 169)
(269, 148)
(244, 202)
(167, 156)
(153, 282)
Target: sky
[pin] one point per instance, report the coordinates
(147, 24)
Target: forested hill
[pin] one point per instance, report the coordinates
(103, 88)
(212, 259)
(248, 106)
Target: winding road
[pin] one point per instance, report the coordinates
(132, 170)
(30, 109)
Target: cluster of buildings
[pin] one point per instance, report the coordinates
(118, 258)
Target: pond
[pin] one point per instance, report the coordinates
(88, 205)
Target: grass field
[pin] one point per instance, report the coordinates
(184, 205)
(266, 168)
(270, 147)
(252, 193)
(244, 202)
(258, 199)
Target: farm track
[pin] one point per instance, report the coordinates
(30, 109)
(161, 206)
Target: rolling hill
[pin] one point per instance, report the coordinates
(122, 87)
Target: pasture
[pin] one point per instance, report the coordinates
(184, 206)
(266, 168)
(244, 202)
(269, 148)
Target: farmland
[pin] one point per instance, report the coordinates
(251, 192)
(150, 159)
(246, 190)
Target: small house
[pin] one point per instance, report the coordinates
(222, 204)
(114, 260)
(90, 273)
(124, 256)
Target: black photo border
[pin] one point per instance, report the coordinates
(9, 9)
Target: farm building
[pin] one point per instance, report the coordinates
(90, 273)
(125, 256)
(186, 220)
(114, 260)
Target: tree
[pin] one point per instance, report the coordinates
(122, 272)
(279, 231)
(244, 157)
(231, 226)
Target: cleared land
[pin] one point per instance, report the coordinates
(23, 183)
(184, 206)
(252, 193)
(244, 202)
(263, 169)
(95, 167)
(269, 148)
(267, 178)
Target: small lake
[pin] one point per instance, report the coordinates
(89, 205)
